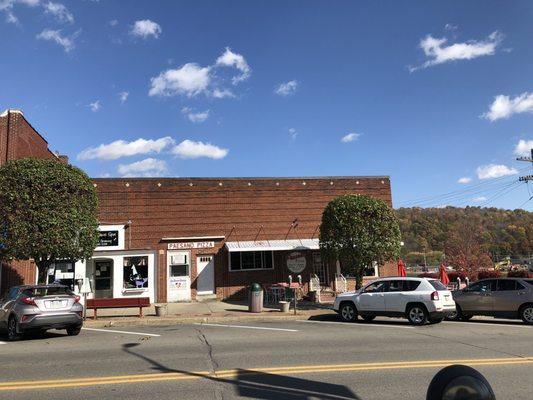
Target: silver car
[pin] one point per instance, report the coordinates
(496, 297)
(38, 308)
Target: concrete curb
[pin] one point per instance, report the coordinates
(175, 320)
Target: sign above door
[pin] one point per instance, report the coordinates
(190, 245)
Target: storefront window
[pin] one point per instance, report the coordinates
(249, 260)
(135, 272)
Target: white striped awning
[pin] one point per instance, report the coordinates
(274, 245)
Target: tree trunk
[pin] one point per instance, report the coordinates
(42, 271)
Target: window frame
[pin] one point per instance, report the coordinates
(251, 269)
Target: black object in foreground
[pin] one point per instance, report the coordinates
(459, 382)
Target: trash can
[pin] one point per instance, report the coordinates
(255, 298)
(284, 306)
(160, 310)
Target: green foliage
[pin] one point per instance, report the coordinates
(502, 232)
(358, 230)
(421, 258)
(49, 211)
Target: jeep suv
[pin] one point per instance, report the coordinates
(420, 300)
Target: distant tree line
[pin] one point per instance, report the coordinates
(470, 237)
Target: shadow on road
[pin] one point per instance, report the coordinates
(336, 318)
(261, 385)
(504, 322)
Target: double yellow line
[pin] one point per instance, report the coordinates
(233, 373)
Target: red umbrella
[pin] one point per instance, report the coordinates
(401, 269)
(443, 276)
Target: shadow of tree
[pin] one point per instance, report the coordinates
(261, 385)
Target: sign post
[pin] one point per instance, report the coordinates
(296, 263)
(85, 290)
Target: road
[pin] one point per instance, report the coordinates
(324, 359)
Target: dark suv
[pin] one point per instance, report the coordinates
(496, 297)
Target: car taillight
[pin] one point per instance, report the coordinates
(28, 300)
(76, 299)
(435, 295)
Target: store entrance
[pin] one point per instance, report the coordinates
(103, 279)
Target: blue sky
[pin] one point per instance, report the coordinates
(426, 92)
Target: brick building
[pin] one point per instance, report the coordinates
(18, 139)
(182, 239)
(213, 237)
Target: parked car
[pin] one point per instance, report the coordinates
(496, 297)
(420, 300)
(38, 308)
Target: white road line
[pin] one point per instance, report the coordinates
(248, 327)
(126, 332)
(365, 324)
(473, 323)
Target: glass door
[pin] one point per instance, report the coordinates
(103, 279)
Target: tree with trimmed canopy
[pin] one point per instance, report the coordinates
(359, 230)
(48, 212)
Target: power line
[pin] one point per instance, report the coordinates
(467, 191)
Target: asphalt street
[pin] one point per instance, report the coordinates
(320, 359)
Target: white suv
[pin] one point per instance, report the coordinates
(420, 300)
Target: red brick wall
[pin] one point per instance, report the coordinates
(239, 209)
(18, 139)
(22, 140)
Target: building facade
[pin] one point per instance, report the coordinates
(18, 139)
(186, 239)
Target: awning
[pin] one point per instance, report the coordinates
(274, 245)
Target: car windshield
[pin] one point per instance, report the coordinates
(438, 285)
(47, 291)
(530, 281)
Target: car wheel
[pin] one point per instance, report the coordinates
(74, 331)
(348, 312)
(526, 314)
(417, 315)
(12, 329)
(369, 318)
(435, 320)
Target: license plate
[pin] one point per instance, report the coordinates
(56, 304)
(446, 297)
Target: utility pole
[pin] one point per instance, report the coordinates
(526, 178)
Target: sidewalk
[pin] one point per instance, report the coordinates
(212, 311)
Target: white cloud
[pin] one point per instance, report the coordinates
(479, 199)
(121, 148)
(190, 79)
(113, 22)
(494, 171)
(145, 28)
(192, 149)
(523, 148)
(350, 137)
(293, 133)
(504, 106)
(67, 42)
(95, 106)
(222, 93)
(438, 53)
(147, 167)
(7, 7)
(59, 11)
(123, 96)
(195, 117)
(464, 180)
(231, 59)
(287, 88)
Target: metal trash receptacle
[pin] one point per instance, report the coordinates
(284, 306)
(255, 304)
